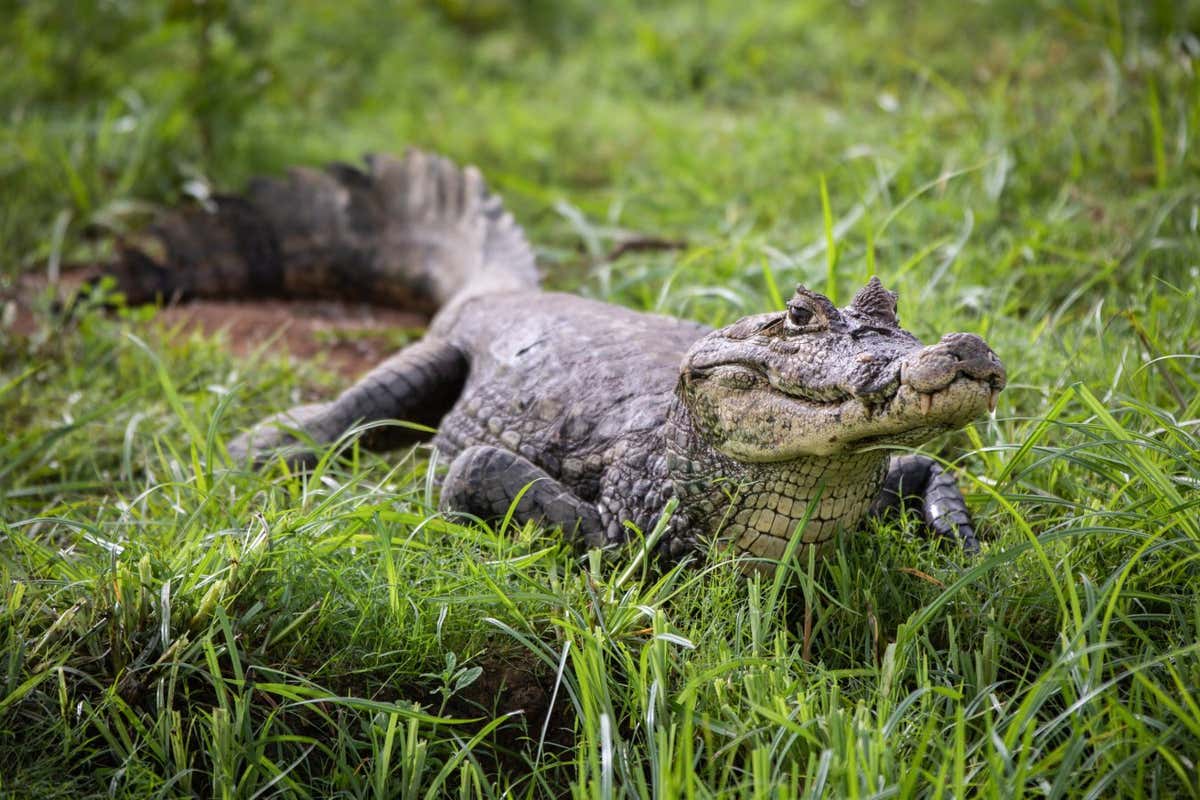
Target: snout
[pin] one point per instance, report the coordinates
(933, 368)
(873, 381)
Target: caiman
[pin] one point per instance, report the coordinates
(579, 414)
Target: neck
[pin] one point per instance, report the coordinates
(757, 507)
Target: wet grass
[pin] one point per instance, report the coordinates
(1026, 171)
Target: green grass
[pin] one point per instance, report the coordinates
(1026, 171)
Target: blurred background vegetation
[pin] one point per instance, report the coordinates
(709, 120)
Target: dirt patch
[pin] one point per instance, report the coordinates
(525, 687)
(351, 338)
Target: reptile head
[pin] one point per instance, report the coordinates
(815, 380)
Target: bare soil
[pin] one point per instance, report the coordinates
(349, 337)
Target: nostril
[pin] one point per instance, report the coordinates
(966, 347)
(957, 355)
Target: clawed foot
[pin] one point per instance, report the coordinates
(918, 483)
(275, 437)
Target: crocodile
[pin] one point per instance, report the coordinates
(573, 413)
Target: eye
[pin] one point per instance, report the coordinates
(808, 312)
(802, 317)
(799, 316)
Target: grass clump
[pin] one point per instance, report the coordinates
(172, 626)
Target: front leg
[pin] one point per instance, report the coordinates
(418, 384)
(918, 482)
(485, 481)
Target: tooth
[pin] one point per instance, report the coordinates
(926, 402)
(993, 398)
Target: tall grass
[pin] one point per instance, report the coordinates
(174, 626)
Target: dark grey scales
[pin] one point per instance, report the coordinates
(603, 412)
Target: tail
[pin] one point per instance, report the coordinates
(413, 233)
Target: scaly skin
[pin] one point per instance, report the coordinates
(614, 412)
(587, 415)
(626, 410)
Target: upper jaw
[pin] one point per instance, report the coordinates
(909, 399)
(932, 370)
(925, 373)
(927, 399)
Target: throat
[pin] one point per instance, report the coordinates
(757, 508)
